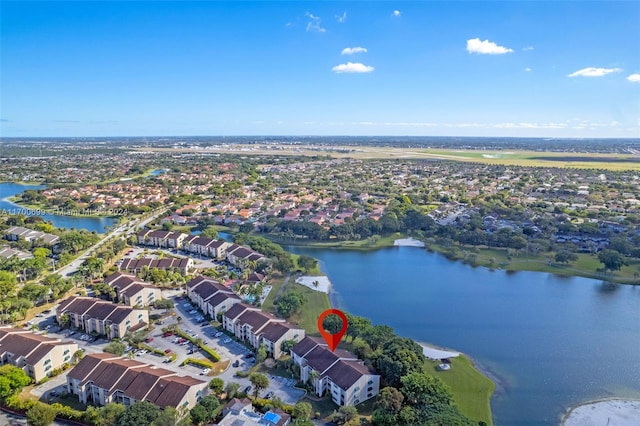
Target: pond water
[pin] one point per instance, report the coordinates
(552, 341)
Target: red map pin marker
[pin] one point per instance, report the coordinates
(332, 339)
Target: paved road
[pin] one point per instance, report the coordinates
(127, 229)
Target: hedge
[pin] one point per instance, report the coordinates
(210, 352)
(199, 362)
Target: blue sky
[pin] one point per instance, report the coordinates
(479, 68)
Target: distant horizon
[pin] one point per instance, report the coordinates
(320, 136)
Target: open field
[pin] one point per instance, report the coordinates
(471, 389)
(317, 303)
(583, 160)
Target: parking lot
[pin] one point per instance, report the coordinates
(239, 356)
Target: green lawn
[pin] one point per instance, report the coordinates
(471, 389)
(276, 283)
(317, 302)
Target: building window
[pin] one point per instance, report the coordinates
(370, 382)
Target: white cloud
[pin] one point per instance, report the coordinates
(528, 48)
(342, 18)
(634, 78)
(314, 23)
(594, 72)
(486, 47)
(353, 50)
(527, 69)
(352, 67)
(396, 13)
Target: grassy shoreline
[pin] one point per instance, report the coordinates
(494, 258)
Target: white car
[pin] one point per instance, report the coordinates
(227, 340)
(205, 371)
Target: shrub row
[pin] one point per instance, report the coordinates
(16, 403)
(199, 362)
(210, 352)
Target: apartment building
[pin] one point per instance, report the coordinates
(211, 297)
(101, 317)
(250, 324)
(102, 378)
(36, 354)
(340, 373)
(131, 290)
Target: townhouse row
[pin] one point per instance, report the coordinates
(235, 254)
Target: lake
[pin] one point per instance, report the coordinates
(96, 224)
(553, 341)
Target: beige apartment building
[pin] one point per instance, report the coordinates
(36, 354)
(132, 291)
(102, 317)
(340, 373)
(103, 378)
(250, 324)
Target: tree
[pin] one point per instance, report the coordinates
(611, 259)
(259, 382)
(115, 347)
(307, 262)
(390, 399)
(33, 292)
(209, 232)
(231, 389)
(344, 414)
(41, 252)
(399, 357)
(12, 380)
(165, 304)
(357, 326)
(216, 385)
(168, 417)
(140, 413)
(287, 345)
(110, 413)
(332, 323)
(40, 414)
(565, 256)
(198, 415)
(302, 411)
(262, 353)
(8, 283)
(420, 389)
(290, 303)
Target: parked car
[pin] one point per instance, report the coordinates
(167, 351)
(247, 389)
(269, 395)
(227, 340)
(236, 363)
(149, 339)
(205, 371)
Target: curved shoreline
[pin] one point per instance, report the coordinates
(623, 411)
